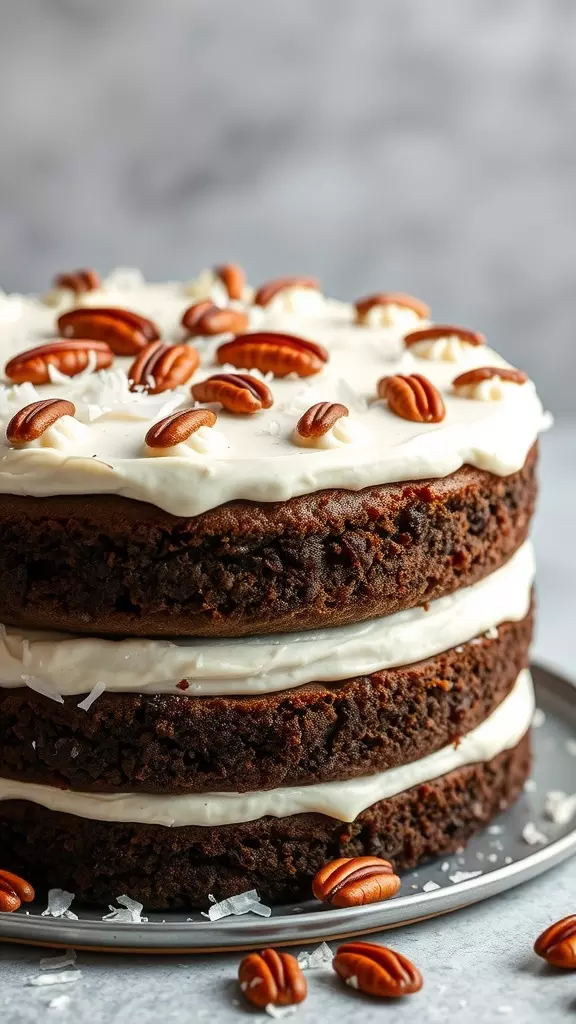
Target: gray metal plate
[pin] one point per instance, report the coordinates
(504, 857)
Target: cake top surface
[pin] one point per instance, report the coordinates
(387, 406)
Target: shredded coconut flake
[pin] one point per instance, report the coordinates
(530, 786)
(59, 978)
(129, 912)
(495, 830)
(278, 1012)
(62, 378)
(352, 981)
(244, 903)
(59, 902)
(67, 959)
(430, 886)
(322, 956)
(538, 719)
(560, 807)
(445, 865)
(463, 876)
(95, 692)
(43, 688)
(532, 835)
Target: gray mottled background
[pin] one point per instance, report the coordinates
(429, 146)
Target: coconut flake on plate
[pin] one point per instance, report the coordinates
(243, 903)
(532, 835)
(430, 886)
(59, 903)
(560, 807)
(538, 719)
(129, 912)
(463, 876)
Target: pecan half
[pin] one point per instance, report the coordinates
(125, 332)
(31, 421)
(413, 398)
(69, 357)
(320, 418)
(376, 970)
(233, 278)
(237, 392)
(488, 373)
(557, 944)
(78, 281)
(271, 352)
(178, 427)
(363, 306)
(444, 331)
(268, 291)
(14, 891)
(162, 367)
(204, 318)
(272, 978)
(352, 881)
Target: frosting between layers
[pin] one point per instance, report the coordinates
(502, 730)
(258, 459)
(259, 665)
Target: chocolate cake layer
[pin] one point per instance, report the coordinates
(110, 565)
(165, 867)
(316, 733)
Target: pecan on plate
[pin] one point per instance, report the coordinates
(353, 881)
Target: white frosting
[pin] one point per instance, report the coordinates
(346, 430)
(68, 665)
(492, 390)
(502, 730)
(262, 463)
(390, 314)
(62, 435)
(446, 350)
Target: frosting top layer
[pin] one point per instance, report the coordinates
(256, 457)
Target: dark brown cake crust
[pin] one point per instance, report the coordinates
(165, 867)
(316, 733)
(107, 564)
